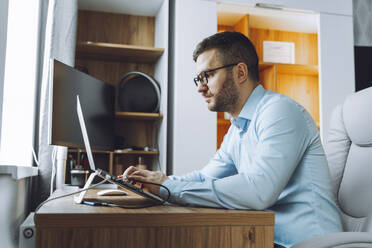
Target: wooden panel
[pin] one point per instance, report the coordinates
(180, 237)
(111, 163)
(222, 28)
(268, 76)
(311, 70)
(111, 72)
(117, 52)
(242, 25)
(252, 237)
(135, 133)
(222, 128)
(264, 236)
(303, 89)
(115, 28)
(198, 237)
(306, 44)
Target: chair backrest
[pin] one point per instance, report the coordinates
(349, 154)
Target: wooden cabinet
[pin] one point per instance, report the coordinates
(108, 46)
(299, 81)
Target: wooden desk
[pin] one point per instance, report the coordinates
(62, 223)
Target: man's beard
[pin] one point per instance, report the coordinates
(227, 97)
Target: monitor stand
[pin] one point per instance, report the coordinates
(79, 198)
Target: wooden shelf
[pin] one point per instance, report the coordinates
(310, 70)
(138, 116)
(136, 152)
(263, 66)
(117, 52)
(93, 151)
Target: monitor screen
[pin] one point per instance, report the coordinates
(97, 101)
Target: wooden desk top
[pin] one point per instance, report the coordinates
(64, 212)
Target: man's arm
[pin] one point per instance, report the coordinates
(221, 165)
(283, 139)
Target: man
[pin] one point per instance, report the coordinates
(271, 158)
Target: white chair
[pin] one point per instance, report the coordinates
(349, 155)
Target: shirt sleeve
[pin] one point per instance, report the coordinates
(281, 130)
(221, 165)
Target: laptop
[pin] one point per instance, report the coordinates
(104, 174)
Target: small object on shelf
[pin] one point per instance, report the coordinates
(78, 177)
(119, 168)
(71, 162)
(141, 164)
(138, 92)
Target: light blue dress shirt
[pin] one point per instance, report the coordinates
(270, 159)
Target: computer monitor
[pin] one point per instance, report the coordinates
(97, 98)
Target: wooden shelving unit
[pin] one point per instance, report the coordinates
(108, 46)
(117, 52)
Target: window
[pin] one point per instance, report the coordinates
(19, 84)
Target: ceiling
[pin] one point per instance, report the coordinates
(286, 20)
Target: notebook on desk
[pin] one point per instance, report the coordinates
(104, 174)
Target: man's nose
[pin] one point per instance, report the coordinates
(202, 88)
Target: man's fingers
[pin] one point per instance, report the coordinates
(130, 170)
(136, 178)
(141, 173)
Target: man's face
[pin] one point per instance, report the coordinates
(221, 92)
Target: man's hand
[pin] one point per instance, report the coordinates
(135, 174)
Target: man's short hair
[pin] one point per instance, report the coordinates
(232, 47)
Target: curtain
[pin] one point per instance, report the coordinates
(58, 25)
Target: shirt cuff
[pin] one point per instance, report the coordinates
(170, 184)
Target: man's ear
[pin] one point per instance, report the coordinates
(242, 72)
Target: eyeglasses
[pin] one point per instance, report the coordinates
(202, 78)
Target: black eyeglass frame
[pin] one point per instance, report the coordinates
(198, 78)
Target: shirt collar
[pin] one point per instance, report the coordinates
(249, 108)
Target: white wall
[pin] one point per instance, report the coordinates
(3, 39)
(336, 65)
(161, 75)
(193, 140)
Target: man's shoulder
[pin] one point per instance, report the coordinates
(278, 108)
(277, 102)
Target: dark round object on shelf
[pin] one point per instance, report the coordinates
(138, 92)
